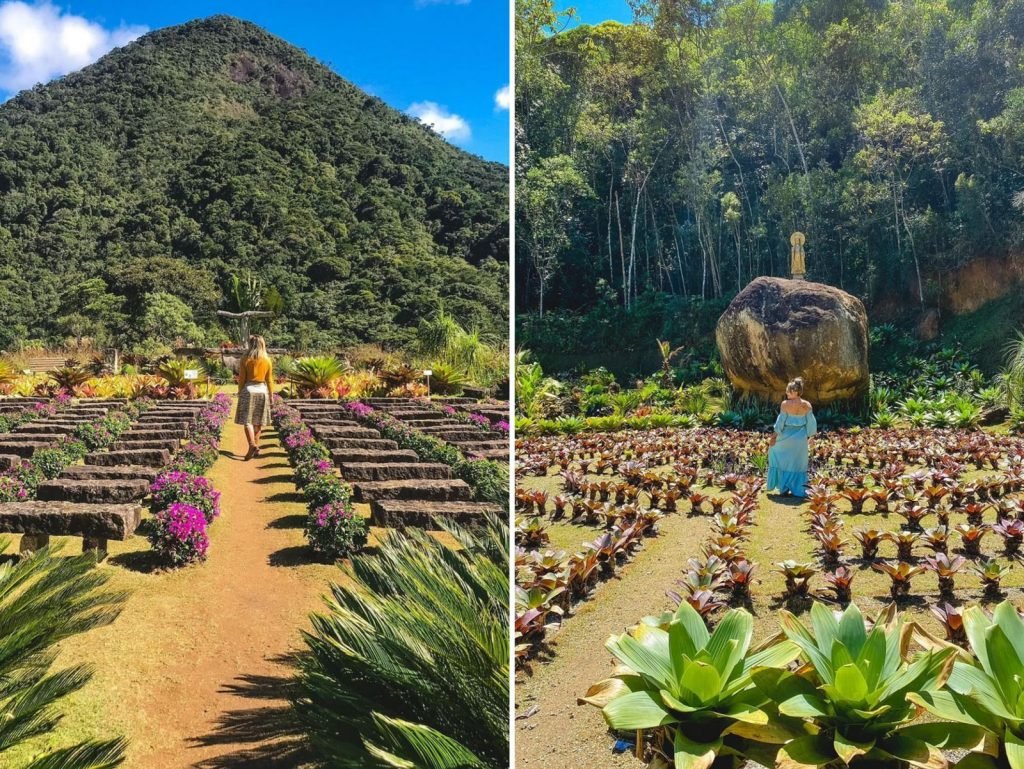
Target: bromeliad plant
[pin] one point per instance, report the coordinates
(694, 688)
(984, 695)
(853, 694)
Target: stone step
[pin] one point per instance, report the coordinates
(482, 445)
(374, 444)
(164, 424)
(93, 490)
(147, 457)
(149, 434)
(452, 434)
(171, 444)
(10, 461)
(106, 521)
(373, 455)
(355, 472)
(23, 449)
(399, 513)
(54, 428)
(498, 455)
(26, 436)
(316, 422)
(426, 415)
(433, 491)
(349, 432)
(420, 423)
(112, 473)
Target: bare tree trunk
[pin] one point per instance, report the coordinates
(622, 252)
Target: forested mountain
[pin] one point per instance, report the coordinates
(686, 147)
(131, 192)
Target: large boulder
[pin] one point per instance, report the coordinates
(777, 329)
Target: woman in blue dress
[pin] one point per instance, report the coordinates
(788, 454)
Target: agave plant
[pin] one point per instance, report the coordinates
(43, 600)
(389, 680)
(853, 694)
(983, 695)
(693, 688)
(315, 374)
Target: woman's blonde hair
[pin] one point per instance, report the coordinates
(257, 347)
(796, 386)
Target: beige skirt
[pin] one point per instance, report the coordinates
(253, 407)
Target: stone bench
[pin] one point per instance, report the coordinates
(373, 455)
(37, 521)
(171, 444)
(92, 490)
(147, 457)
(368, 444)
(114, 472)
(452, 490)
(10, 461)
(400, 513)
(24, 449)
(355, 472)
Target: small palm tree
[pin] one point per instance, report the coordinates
(410, 665)
(667, 354)
(43, 600)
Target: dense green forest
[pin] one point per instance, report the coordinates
(666, 162)
(132, 191)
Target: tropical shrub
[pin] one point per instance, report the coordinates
(44, 600)
(334, 531)
(694, 688)
(13, 488)
(446, 380)
(326, 489)
(178, 534)
(312, 376)
(409, 664)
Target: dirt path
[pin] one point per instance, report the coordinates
(193, 671)
(560, 732)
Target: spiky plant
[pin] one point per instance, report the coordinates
(309, 375)
(446, 380)
(409, 665)
(70, 378)
(44, 600)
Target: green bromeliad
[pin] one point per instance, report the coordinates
(855, 694)
(695, 687)
(986, 691)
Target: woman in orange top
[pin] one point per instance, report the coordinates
(255, 386)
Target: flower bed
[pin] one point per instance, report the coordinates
(489, 480)
(184, 503)
(332, 528)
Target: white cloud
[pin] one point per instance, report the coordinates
(40, 42)
(503, 98)
(451, 126)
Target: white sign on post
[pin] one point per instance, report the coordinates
(191, 373)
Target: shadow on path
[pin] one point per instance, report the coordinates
(296, 555)
(267, 734)
(287, 522)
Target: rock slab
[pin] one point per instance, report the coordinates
(777, 329)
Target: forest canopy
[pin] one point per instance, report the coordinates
(134, 191)
(675, 155)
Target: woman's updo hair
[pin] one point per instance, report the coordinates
(796, 386)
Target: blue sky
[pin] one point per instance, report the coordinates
(596, 11)
(444, 61)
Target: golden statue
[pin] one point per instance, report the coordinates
(797, 264)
